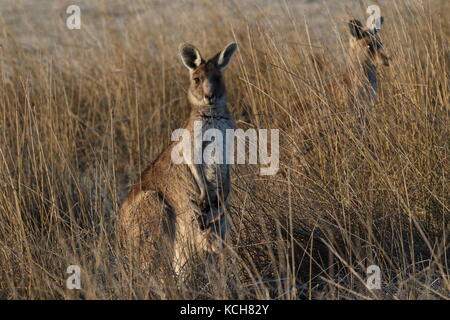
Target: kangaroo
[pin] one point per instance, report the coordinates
(365, 54)
(357, 86)
(175, 211)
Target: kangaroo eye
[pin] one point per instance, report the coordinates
(197, 80)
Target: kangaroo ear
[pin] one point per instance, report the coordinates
(356, 29)
(223, 58)
(190, 56)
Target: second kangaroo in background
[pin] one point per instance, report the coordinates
(358, 85)
(365, 54)
(176, 211)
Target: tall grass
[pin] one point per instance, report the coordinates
(82, 112)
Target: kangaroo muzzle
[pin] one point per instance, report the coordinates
(209, 99)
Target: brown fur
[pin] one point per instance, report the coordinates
(175, 211)
(357, 85)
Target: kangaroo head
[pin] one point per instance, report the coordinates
(365, 45)
(207, 87)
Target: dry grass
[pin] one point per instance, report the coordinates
(83, 112)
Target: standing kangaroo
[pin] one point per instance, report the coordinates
(357, 86)
(365, 54)
(175, 211)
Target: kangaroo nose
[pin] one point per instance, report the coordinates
(210, 98)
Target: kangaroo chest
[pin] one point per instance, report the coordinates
(213, 170)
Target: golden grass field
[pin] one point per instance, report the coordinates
(83, 112)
